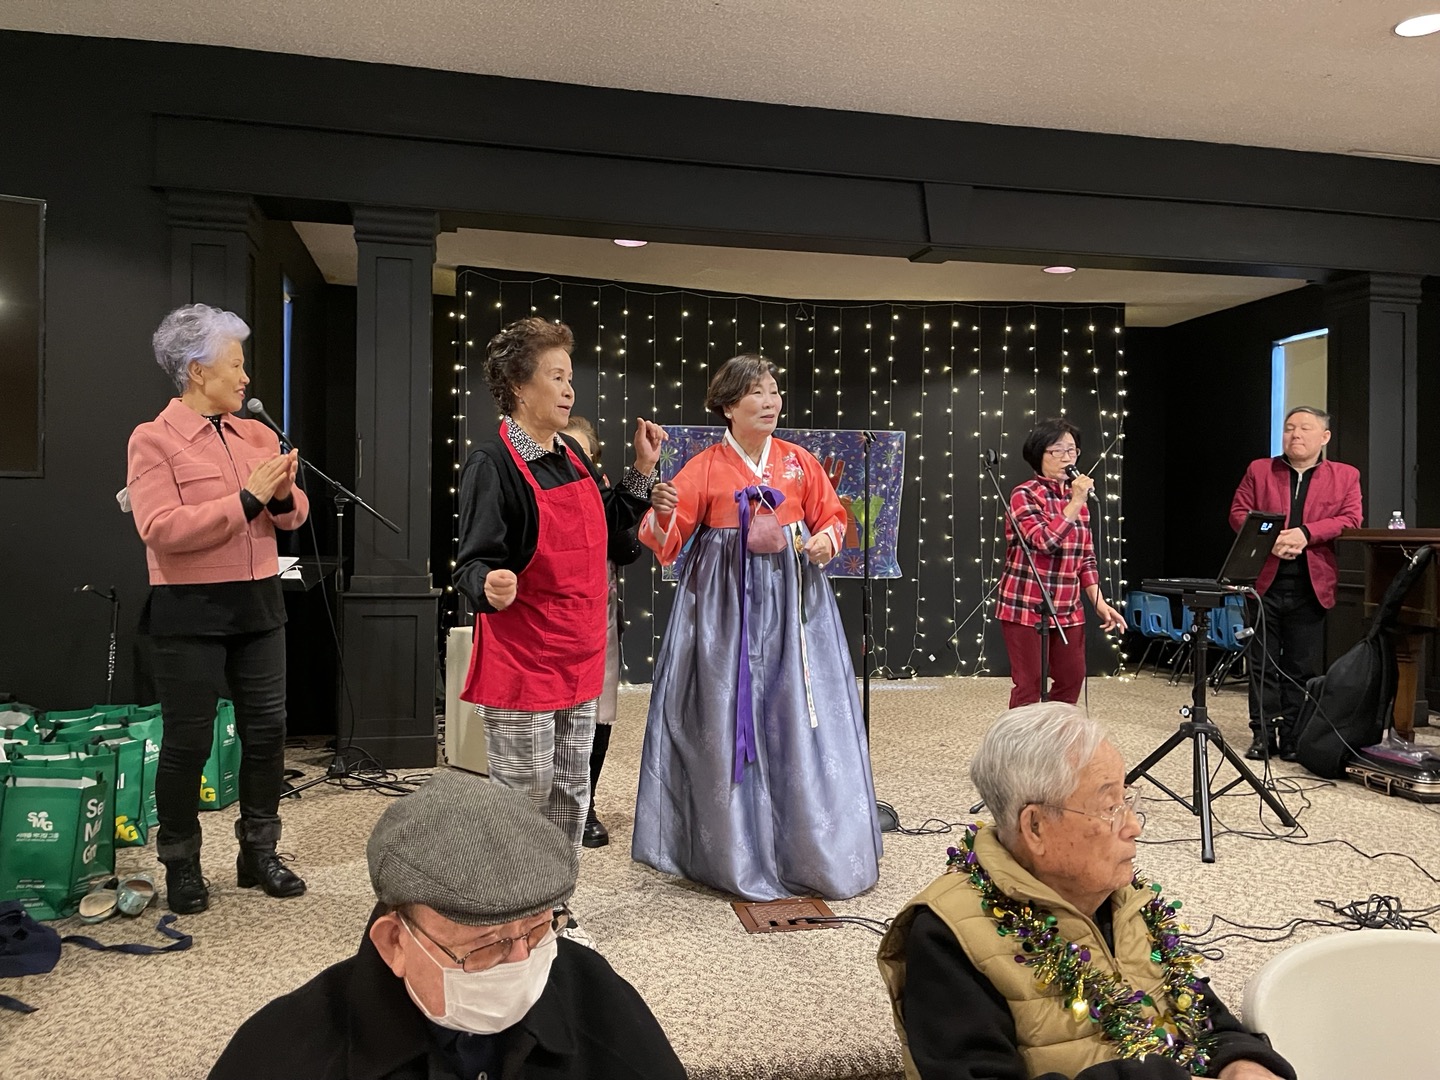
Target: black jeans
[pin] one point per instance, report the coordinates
(191, 675)
(1294, 637)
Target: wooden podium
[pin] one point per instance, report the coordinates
(1386, 551)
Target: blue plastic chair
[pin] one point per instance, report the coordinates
(1225, 626)
(1157, 624)
(1180, 659)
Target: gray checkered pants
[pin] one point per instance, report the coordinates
(545, 755)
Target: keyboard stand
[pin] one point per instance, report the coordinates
(1201, 733)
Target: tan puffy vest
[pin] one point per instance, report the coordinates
(1051, 1038)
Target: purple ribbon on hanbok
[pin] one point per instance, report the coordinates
(744, 704)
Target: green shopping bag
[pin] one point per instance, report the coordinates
(130, 780)
(17, 722)
(148, 731)
(220, 780)
(129, 801)
(57, 834)
(61, 719)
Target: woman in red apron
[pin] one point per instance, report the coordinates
(535, 524)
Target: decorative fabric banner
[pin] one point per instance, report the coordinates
(842, 453)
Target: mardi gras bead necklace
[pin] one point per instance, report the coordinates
(1183, 1035)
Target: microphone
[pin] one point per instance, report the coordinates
(1071, 472)
(991, 459)
(1244, 633)
(256, 408)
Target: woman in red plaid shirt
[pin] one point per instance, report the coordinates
(1051, 514)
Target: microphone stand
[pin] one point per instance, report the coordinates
(1046, 607)
(889, 820)
(114, 598)
(340, 768)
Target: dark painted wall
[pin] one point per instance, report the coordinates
(84, 146)
(1217, 416)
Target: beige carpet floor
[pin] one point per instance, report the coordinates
(736, 1007)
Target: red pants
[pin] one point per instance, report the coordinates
(1067, 663)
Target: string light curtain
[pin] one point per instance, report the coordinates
(958, 378)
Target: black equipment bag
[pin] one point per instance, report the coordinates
(1350, 706)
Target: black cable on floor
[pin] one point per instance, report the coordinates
(1378, 912)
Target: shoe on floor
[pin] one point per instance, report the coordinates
(1289, 751)
(185, 890)
(257, 866)
(595, 834)
(1259, 750)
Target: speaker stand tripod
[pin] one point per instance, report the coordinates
(1202, 734)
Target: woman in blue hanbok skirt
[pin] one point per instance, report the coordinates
(755, 775)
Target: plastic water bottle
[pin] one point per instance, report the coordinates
(1396, 521)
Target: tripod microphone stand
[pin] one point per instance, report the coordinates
(340, 768)
(1197, 728)
(1046, 608)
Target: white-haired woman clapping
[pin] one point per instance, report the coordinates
(208, 490)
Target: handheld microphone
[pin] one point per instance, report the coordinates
(256, 408)
(1071, 472)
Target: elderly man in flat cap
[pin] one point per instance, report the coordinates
(460, 975)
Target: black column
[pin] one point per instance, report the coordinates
(1374, 399)
(1373, 392)
(214, 239)
(391, 609)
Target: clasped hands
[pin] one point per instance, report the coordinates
(274, 477)
(1290, 543)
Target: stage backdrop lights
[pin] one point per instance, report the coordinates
(957, 378)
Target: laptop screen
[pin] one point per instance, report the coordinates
(1251, 548)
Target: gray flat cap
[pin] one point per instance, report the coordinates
(474, 851)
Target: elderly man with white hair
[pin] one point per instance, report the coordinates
(1040, 953)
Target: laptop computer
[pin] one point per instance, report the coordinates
(1247, 554)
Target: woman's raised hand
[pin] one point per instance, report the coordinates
(648, 437)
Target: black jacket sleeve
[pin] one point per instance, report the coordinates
(959, 1027)
(485, 529)
(623, 510)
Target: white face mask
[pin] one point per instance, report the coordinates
(489, 1001)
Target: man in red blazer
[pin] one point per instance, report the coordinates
(1297, 585)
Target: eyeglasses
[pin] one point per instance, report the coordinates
(486, 956)
(1063, 451)
(1129, 804)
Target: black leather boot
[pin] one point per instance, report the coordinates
(262, 867)
(595, 834)
(185, 889)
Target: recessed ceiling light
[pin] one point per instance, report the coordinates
(1419, 26)
(632, 243)
(1059, 269)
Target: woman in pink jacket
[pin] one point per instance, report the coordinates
(208, 491)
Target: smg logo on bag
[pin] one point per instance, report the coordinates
(40, 820)
(94, 824)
